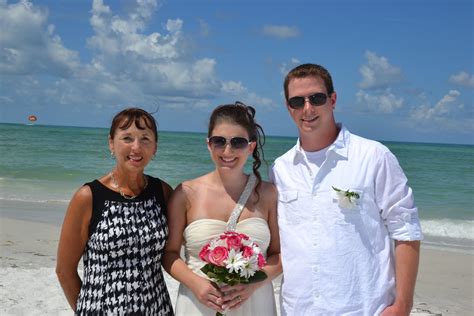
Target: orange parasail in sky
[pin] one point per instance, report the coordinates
(32, 118)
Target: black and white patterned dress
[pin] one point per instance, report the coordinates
(122, 259)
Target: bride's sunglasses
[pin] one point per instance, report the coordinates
(315, 100)
(219, 142)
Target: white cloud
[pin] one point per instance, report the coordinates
(116, 36)
(29, 45)
(463, 79)
(6, 100)
(287, 66)
(241, 93)
(257, 101)
(233, 87)
(280, 31)
(448, 114)
(158, 62)
(441, 109)
(385, 102)
(128, 65)
(194, 79)
(204, 28)
(377, 72)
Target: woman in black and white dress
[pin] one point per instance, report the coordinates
(118, 225)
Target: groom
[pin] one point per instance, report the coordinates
(349, 228)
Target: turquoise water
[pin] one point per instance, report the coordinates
(42, 166)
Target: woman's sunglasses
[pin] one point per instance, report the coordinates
(219, 142)
(315, 100)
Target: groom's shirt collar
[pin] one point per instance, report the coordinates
(339, 146)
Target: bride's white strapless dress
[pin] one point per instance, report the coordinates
(196, 235)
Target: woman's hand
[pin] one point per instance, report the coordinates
(236, 295)
(208, 294)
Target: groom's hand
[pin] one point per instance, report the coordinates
(396, 310)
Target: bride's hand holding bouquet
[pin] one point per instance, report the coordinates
(207, 293)
(234, 262)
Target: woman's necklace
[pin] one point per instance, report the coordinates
(125, 196)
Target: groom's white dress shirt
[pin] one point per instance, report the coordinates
(337, 260)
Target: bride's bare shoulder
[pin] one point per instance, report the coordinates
(268, 191)
(192, 186)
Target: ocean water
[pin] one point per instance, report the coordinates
(42, 166)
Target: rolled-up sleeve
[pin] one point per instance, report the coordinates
(395, 199)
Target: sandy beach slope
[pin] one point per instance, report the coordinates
(28, 284)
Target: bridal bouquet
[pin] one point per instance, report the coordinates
(233, 258)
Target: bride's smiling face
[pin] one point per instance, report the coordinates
(234, 153)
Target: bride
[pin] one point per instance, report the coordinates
(200, 210)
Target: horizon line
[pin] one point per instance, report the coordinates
(194, 132)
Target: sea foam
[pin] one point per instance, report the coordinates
(459, 229)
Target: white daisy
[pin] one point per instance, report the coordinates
(249, 268)
(235, 261)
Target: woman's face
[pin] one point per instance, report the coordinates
(133, 147)
(234, 154)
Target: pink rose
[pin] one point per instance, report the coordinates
(218, 255)
(261, 261)
(247, 252)
(243, 236)
(234, 242)
(228, 234)
(204, 253)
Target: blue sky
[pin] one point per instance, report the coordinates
(403, 70)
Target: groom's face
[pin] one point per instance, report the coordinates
(310, 119)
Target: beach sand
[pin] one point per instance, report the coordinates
(28, 283)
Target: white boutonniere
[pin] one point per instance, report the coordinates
(346, 199)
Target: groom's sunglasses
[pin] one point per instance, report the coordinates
(219, 142)
(315, 100)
